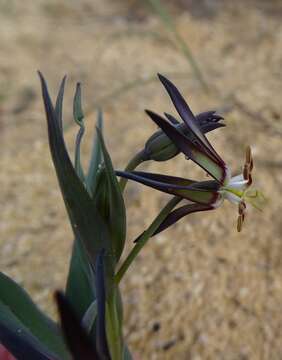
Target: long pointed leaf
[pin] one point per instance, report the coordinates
(19, 340)
(117, 214)
(101, 339)
(59, 103)
(21, 305)
(96, 156)
(84, 216)
(79, 281)
(78, 277)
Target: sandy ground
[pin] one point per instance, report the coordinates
(199, 290)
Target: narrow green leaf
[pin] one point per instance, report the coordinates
(100, 285)
(90, 316)
(79, 281)
(96, 157)
(89, 228)
(117, 213)
(21, 305)
(19, 340)
(59, 103)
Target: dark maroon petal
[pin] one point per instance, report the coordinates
(76, 337)
(179, 213)
(211, 126)
(178, 181)
(207, 117)
(187, 116)
(191, 150)
(171, 119)
(187, 189)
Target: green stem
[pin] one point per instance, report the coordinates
(114, 332)
(133, 163)
(145, 237)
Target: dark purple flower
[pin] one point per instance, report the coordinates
(202, 195)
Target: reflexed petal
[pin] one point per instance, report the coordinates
(173, 185)
(188, 117)
(206, 161)
(208, 117)
(171, 119)
(211, 126)
(179, 213)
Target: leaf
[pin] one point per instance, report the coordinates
(185, 145)
(101, 338)
(116, 208)
(96, 157)
(19, 340)
(184, 188)
(78, 276)
(23, 308)
(59, 103)
(79, 281)
(84, 217)
(90, 316)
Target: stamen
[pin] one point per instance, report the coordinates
(240, 221)
(248, 155)
(242, 208)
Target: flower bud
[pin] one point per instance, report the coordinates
(160, 148)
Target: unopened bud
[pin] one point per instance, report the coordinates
(160, 148)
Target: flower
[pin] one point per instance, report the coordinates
(202, 195)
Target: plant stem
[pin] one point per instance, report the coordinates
(133, 163)
(114, 331)
(145, 237)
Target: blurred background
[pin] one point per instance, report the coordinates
(199, 290)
